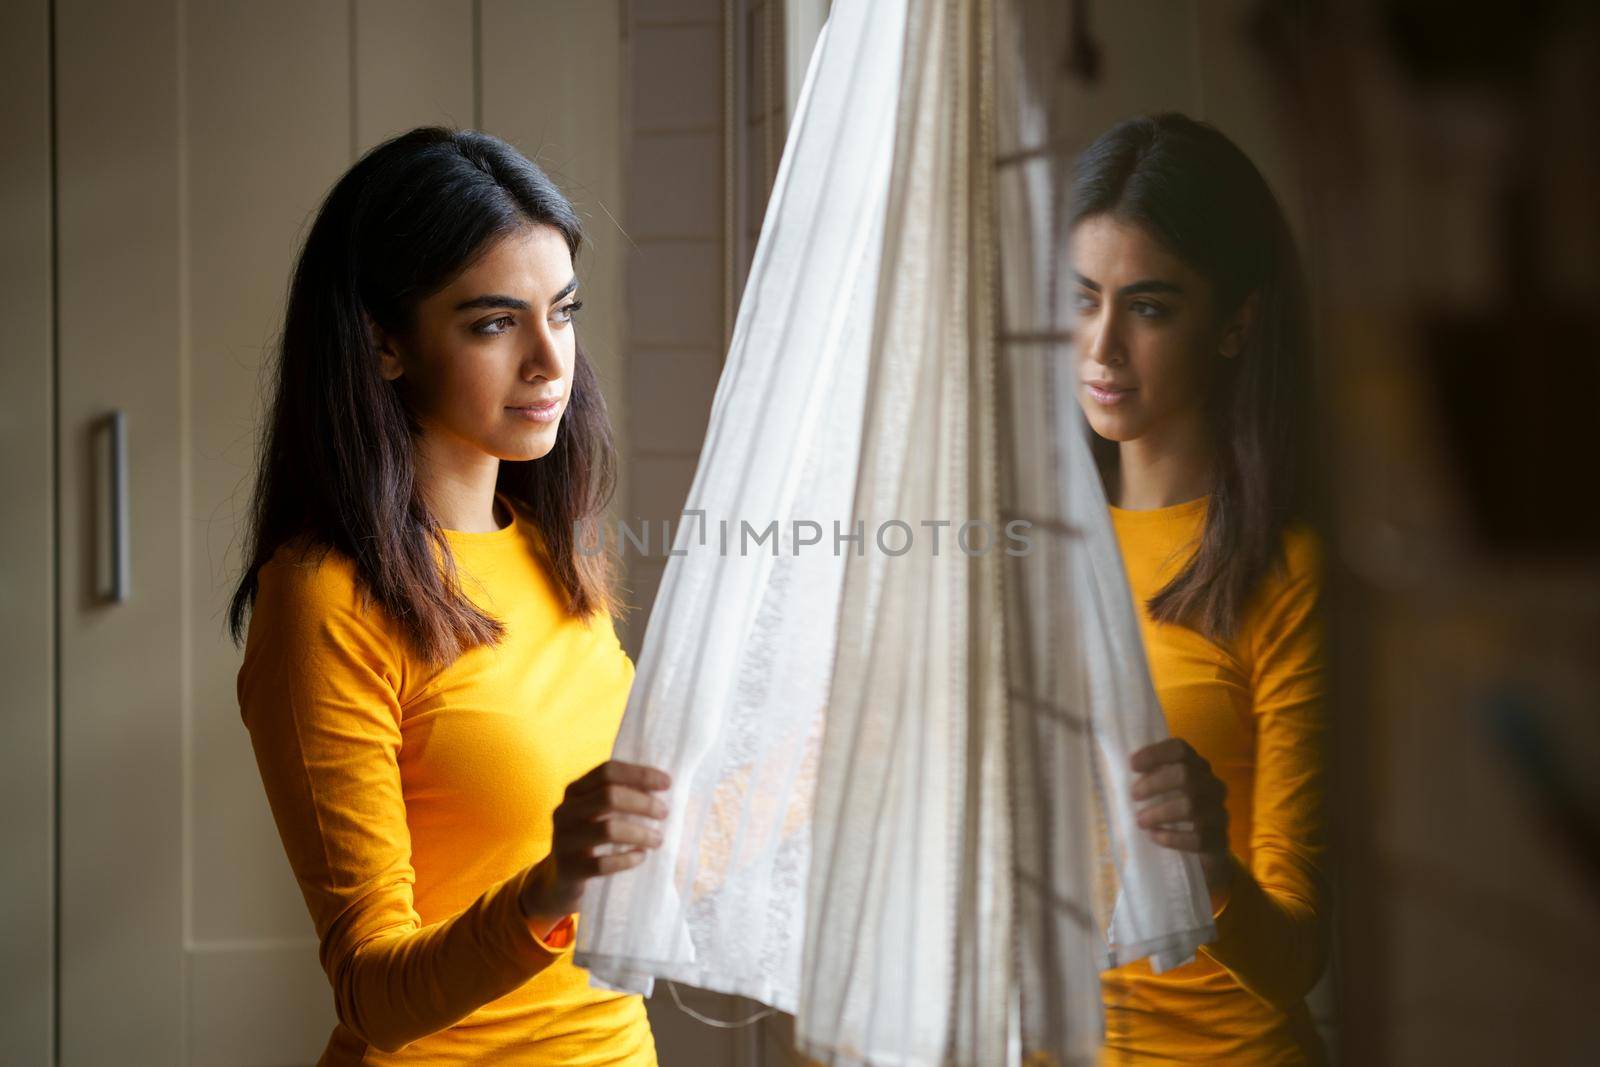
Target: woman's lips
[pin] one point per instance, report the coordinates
(546, 412)
(1107, 395)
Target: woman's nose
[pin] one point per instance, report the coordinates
(543, 358)
(1100, 341)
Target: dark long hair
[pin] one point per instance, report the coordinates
(336, 463)
(1197, 194)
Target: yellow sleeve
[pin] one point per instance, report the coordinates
(318, 692)
(1272, 927)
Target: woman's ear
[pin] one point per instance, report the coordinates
(1239, 330)
(389, 365)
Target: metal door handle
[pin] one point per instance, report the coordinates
(116, 425)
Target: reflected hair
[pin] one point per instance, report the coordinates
(1194, 192)
(336, 464)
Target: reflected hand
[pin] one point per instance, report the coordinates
(1187, 808)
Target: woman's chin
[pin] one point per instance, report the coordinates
(1116, 428)
(526, 451)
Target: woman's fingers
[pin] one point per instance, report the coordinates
(605, 801)
(583, 838)
(611, 863)
(618, 772)
(1164, 778)
(1204, 805)
(1167, 750)
(1185, 821)
(1202, 787)
(1178, 809)
(1173, 766)
(609, 820)
(1187, 809)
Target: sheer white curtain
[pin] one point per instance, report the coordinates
(900, 804)
(733, 675)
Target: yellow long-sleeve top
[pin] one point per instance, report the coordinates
(1253, 707)
(411, 800)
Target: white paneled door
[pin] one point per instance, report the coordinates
(193, 141)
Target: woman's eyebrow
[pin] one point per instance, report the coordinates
(1148, 285)
(494, 300)
(500, 300)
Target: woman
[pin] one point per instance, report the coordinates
(431, 681)
(1190, 327)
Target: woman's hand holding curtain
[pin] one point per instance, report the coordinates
(1189, 813)
(606, 823)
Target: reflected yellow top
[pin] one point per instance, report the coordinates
(1254, 708)
(411, 799)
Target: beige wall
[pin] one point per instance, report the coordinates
(27, 536)
(699, 175)
(675, 271)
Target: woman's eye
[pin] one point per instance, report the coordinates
(488, 327)
(1084, 302)
(565, 312)
(1148, 311)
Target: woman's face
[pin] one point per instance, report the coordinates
(487, 366)
(1145, 329)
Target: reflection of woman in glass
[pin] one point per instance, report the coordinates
(1190, 324)
(432, 682)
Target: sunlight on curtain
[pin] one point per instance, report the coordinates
(900, 804)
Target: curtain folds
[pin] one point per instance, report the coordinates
(899, 719)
